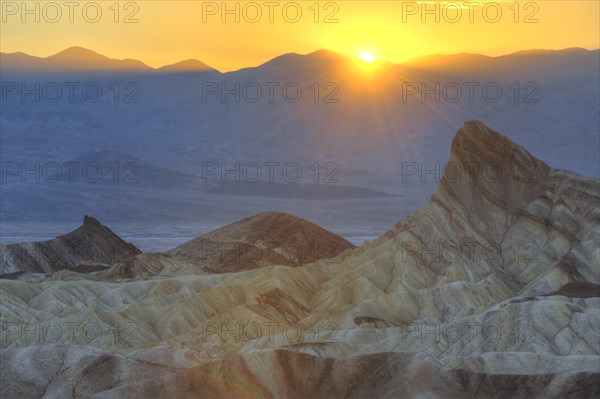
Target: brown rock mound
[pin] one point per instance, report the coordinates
(266, 239)
(92, 242)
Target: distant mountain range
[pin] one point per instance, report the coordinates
(368, 127)
(81, 59)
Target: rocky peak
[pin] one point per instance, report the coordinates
(91, 222)
(487, 167)
(91, 242)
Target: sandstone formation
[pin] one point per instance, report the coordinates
(489, 292)
(266, 239)
(271, 238)
(92, 242)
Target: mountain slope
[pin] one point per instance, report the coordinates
(91, 243)
(79, 59)
(271, 238)
(464, 298)
(191, 65)
(266, 239)
(70, 59)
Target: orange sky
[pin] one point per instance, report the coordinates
(162, 32)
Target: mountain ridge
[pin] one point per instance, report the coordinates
(82, 59)
(92, 242)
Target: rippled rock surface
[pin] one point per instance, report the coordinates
(489, 292)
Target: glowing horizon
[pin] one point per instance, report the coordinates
(159, 33)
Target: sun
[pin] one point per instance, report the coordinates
(367, 57)
(367, 62)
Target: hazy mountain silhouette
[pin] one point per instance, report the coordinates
(191, 65)
(81, 59)
(71, 59)
(369, 130)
